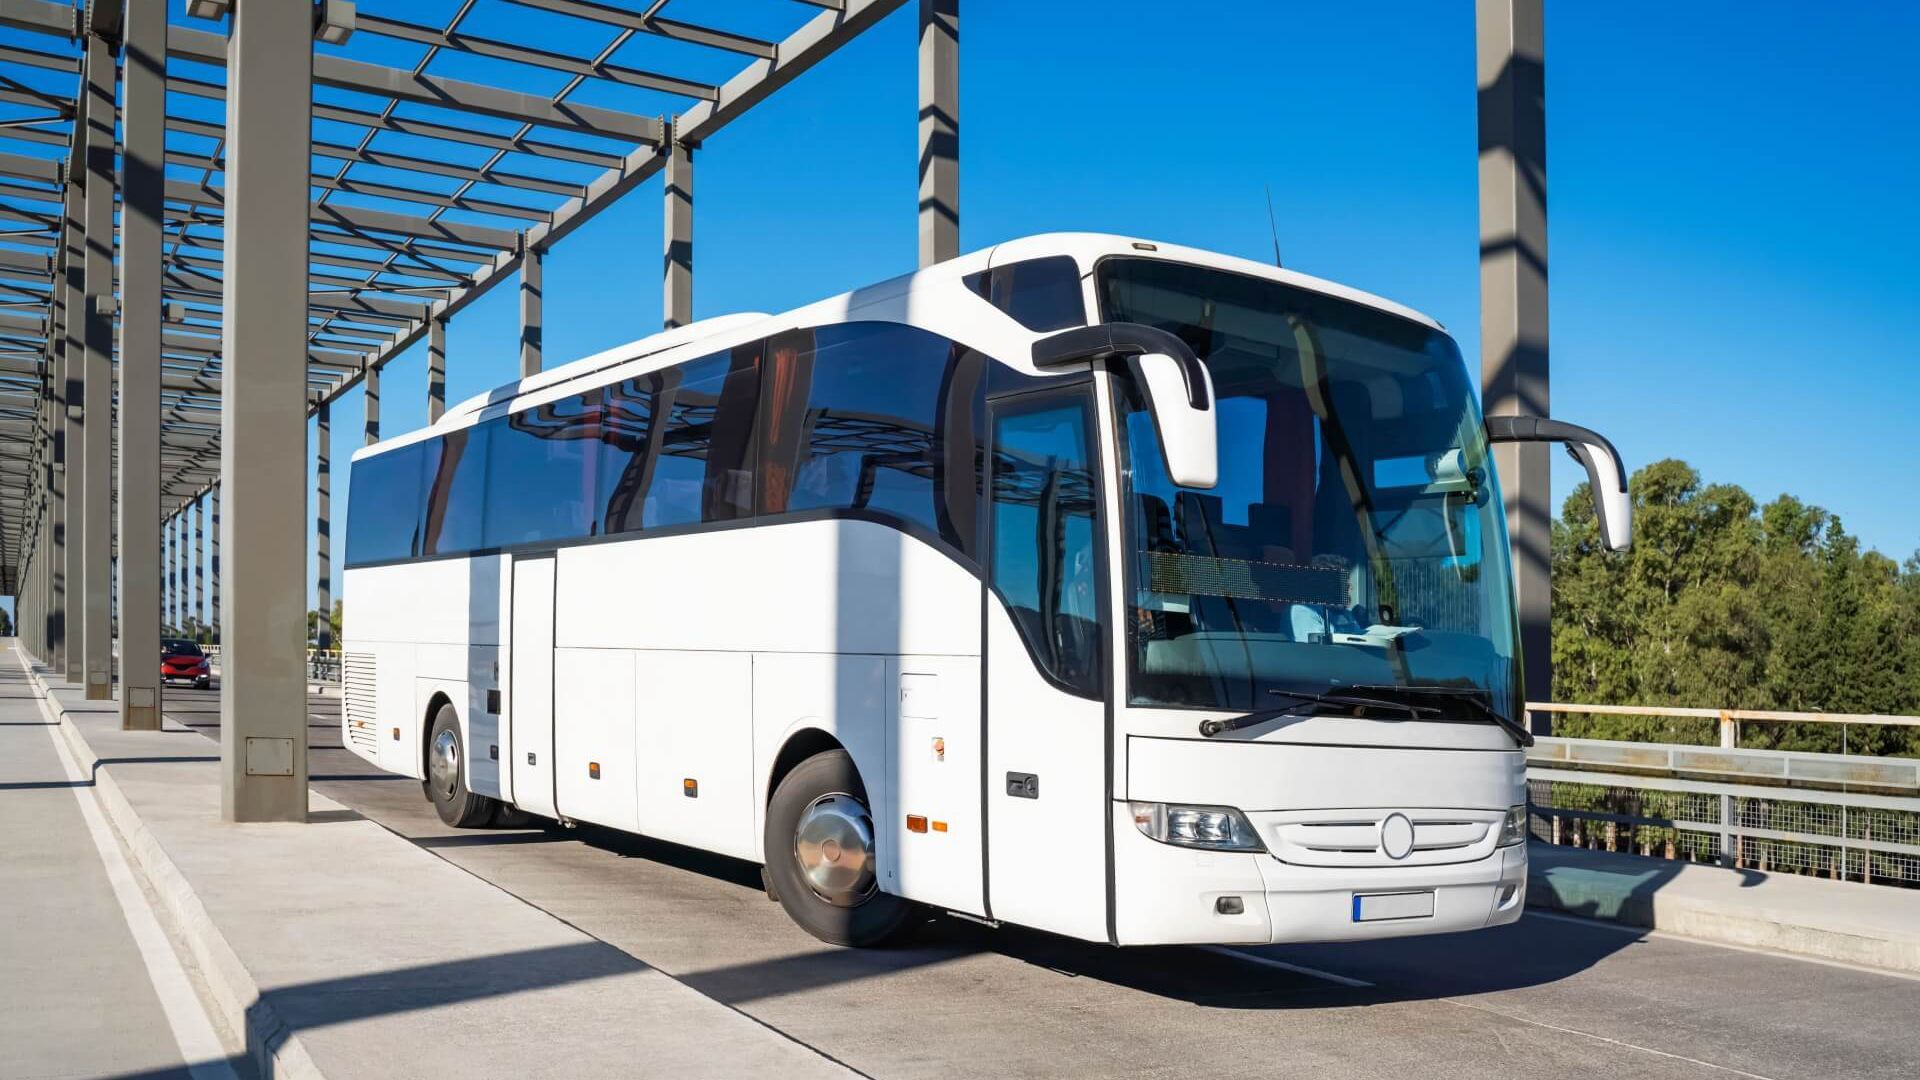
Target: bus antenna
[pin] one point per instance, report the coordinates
(1272, 226)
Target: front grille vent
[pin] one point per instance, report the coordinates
(1353, 837)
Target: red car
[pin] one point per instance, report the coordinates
(182, 661)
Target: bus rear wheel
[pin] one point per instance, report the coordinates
(446, 782)
(821, 855)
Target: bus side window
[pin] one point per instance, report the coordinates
(457, 499)
(387, 488)
(540, 466)
(629, 444)
(1045, 528)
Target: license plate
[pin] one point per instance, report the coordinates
(1399, 905)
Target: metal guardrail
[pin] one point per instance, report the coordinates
(323, 665)
(1847, 816)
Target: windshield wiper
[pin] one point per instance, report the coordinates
(1210, 728)
(1473, 698)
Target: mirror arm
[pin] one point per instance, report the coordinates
(1506, 429)
(1105, 341)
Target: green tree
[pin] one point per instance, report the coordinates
(1724, 603)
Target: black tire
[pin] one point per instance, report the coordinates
(203, 684)
(851, 910)
(446, 775)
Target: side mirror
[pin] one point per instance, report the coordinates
(1606, 476)
(1179, 390)
(1189, 437)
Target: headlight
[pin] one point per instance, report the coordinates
(1217, 828)
(1514, 829)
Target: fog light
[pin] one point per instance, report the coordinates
(1514, 829)
(1230, 905)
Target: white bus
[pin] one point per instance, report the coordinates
(1121, 590)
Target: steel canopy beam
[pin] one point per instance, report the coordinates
(344, 74)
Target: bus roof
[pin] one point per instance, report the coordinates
(1087, 249)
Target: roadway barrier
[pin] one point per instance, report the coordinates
(323, 665)
(1846, 816)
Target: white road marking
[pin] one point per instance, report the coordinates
(1297, 969)
(1603, 1039)
(192, 1030)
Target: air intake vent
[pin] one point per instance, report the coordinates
(1354, 837)
(357, 698)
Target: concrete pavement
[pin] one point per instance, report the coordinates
(1549, 997)
(78, 998)
(1849, 921)
(343, 951)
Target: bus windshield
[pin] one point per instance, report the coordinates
(1355, 537)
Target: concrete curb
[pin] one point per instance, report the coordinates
(276, 1050)
(1621, 890)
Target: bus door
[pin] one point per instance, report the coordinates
(1047, 743)
(530, 684)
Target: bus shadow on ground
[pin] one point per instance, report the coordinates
(1535, 951)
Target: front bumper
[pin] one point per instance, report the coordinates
(1167, 895)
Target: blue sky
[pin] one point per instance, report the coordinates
(1732, 200)
(1732, 197)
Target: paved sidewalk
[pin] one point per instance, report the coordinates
(75, 998)
(353, 953)
(1874, 925)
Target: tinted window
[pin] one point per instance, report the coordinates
(179, 647)
(626, 423)
(866, 435)
(702, 459)
(540, 473)
(1039, 294)
(1045, 531)
(456, 499)
(383, 503)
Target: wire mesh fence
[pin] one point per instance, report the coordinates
(1777, 834)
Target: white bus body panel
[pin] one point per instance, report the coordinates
(530, 686)
(696, 723)
(1047, 854)
(432, 629)
(595, 768)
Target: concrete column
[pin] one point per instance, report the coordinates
(436, 367)
(939, 130)
(166, 575)
(100, 86)
(176, 581)
(73, 366)
(55, 656)
(213, 562)
(532, 270)
(197, 564)
(142, 214)
(370, 402)
(1511, 55)
(323, 523)
(263, 415)
(677, 274)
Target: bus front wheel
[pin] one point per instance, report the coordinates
(821, 854)
(446, 782)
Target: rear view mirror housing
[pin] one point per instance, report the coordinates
(1606, 473)
(1178, 388)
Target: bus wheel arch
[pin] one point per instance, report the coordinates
(445, 772)
(438, 701)
(821, 851)
(800, 745)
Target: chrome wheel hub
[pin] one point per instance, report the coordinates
(833, 843)
(443, 764)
